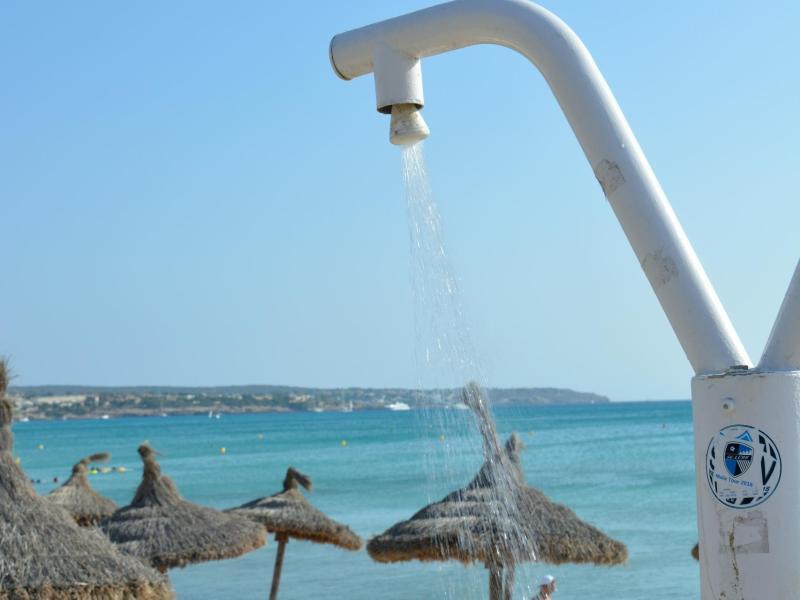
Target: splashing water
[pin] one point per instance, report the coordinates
(447, 360)
(446, 346)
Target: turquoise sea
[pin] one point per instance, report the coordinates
(626, 467)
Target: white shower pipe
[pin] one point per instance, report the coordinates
(782, 352)
(668, 260)
(746, 421)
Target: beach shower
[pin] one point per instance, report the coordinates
(746, 416)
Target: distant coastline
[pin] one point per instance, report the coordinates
(93, 402)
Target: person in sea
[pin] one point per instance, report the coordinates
(547, 585)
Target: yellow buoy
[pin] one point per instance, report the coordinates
(344, 443)
(93, 472)
(120, 469)
(222, 450)
(40, 447)
(17, 460)
(441, 438)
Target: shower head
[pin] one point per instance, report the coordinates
(407, 125)
(398, 91)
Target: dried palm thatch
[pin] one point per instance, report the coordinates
(6, 410)
(166, 531)
(465, 526)
(289, 514)
(85, 505)
(499, 528)
(45, 555)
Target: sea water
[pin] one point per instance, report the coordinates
(625, 467)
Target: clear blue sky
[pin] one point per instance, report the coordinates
(190, 196)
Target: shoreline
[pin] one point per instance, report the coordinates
(132, 413)
(93, 402)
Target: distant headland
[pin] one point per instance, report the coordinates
(87, 402)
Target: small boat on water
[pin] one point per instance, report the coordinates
(398, 406)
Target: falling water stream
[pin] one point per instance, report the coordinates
(447, 361)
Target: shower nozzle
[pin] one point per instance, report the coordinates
(407, 125)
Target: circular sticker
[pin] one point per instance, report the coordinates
(743, 466)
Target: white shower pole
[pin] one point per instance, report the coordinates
(661, 246)
(746, 421)
(782, 352)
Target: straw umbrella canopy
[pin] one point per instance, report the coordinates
(288, 514)
(44, 554)
(496, 520)
(166, 531)
(85, 505)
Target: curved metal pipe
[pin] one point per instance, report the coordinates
(665, 254)
(782, 352)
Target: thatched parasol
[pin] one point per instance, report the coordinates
(85, 505)
(289, 514)
(43, 552)
(163, 529)
(496, 520)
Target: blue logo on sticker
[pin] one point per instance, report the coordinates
(743, 466)
(738, 458)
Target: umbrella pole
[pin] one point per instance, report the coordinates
(282, 540)
(495, 582)
(508, 584)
